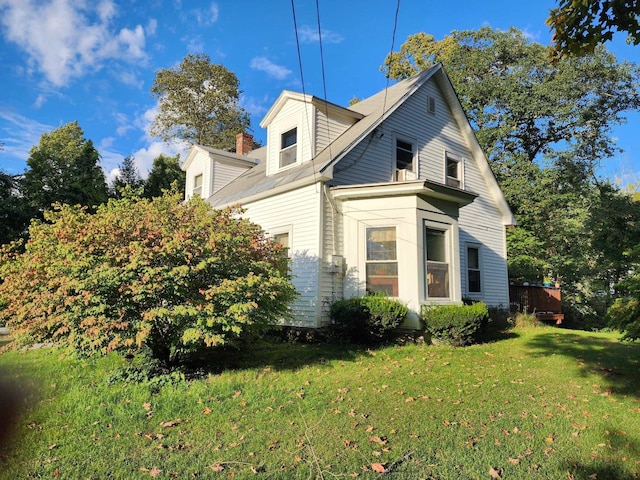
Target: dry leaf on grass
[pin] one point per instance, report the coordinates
(495, 473)
(378, 467)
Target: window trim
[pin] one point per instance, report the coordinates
(480, 269)
(448, 156)
(286, 229)
(395, 292)
(291, 147)
(446, 229)
(198, 190)
(414, 150)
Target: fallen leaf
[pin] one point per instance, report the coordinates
(171, 423)
(379, 440)
(154, 472)
(514, 461)
(206, 411)
(378, 467)
(217, 467)
(495, 473)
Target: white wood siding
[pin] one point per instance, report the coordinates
(331, 277)
(480, 222)
(329, 128)
(299, 210)
(294, 114)
(200, 165)
(223, 173)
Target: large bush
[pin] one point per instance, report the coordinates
(367, 319)
(161, 274)
(456, 324)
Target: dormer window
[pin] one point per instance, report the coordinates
(454, 171)
(288, 147)
(197, 185)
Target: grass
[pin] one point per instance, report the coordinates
(543, 403)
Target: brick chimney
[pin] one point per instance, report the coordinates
(244, 143)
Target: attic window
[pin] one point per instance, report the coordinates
(288, 147)
(454, 172)
(431, 105)
(197, 185)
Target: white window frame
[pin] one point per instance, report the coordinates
(293, 147)
(413, 171)
(368, 262)
(288, 230)
(450, 181)
(197, 190)
(480, 269)
(446, 229)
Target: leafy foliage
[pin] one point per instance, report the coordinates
(199, 103)
(64, 167)
(367, 319)
(144, 274)
(546, 128)
(625, 310)
(128, 176)
(14, 211)
(164, 172)
(456, 324)
(579, 26)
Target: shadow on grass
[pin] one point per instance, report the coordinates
(616, 442)
(617, 363)
(275, 355)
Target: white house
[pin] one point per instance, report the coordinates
(392, 194)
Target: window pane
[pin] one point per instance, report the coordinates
(288, 156)
(383, 278)
(282, 239)
(289, 138)
(473, 259)
(452, 168)
(381, 243)
(437, 280)
(474, 281)
(436, 250)
(404, 155)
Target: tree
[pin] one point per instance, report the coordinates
(545, 128)
(14, 211)
(160, 275)
(164, 172)
(198, 103)
(64, 167)
(580, 25)
(128, 176)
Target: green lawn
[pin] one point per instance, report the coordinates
(541, 403)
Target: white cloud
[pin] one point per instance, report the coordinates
(19, 134)
(152, 26)
(66, 38)
(273, 70)
(207, 16)
(255, 106)
(310, 35)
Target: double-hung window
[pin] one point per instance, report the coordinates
(437, 255)
(197, 185)
(474, 280)
(405, 153)
(454, 171)
(288, 147)
(382, 260)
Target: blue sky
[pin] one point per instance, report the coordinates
(94, 61)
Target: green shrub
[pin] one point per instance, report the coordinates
(366, 319)
(455, 324)
(161, 274)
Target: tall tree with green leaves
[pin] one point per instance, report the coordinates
(579, 25)
(14, 210)
(546, 128)
(199, 103)
(127, 177)
(164, 173)
(65, 168)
